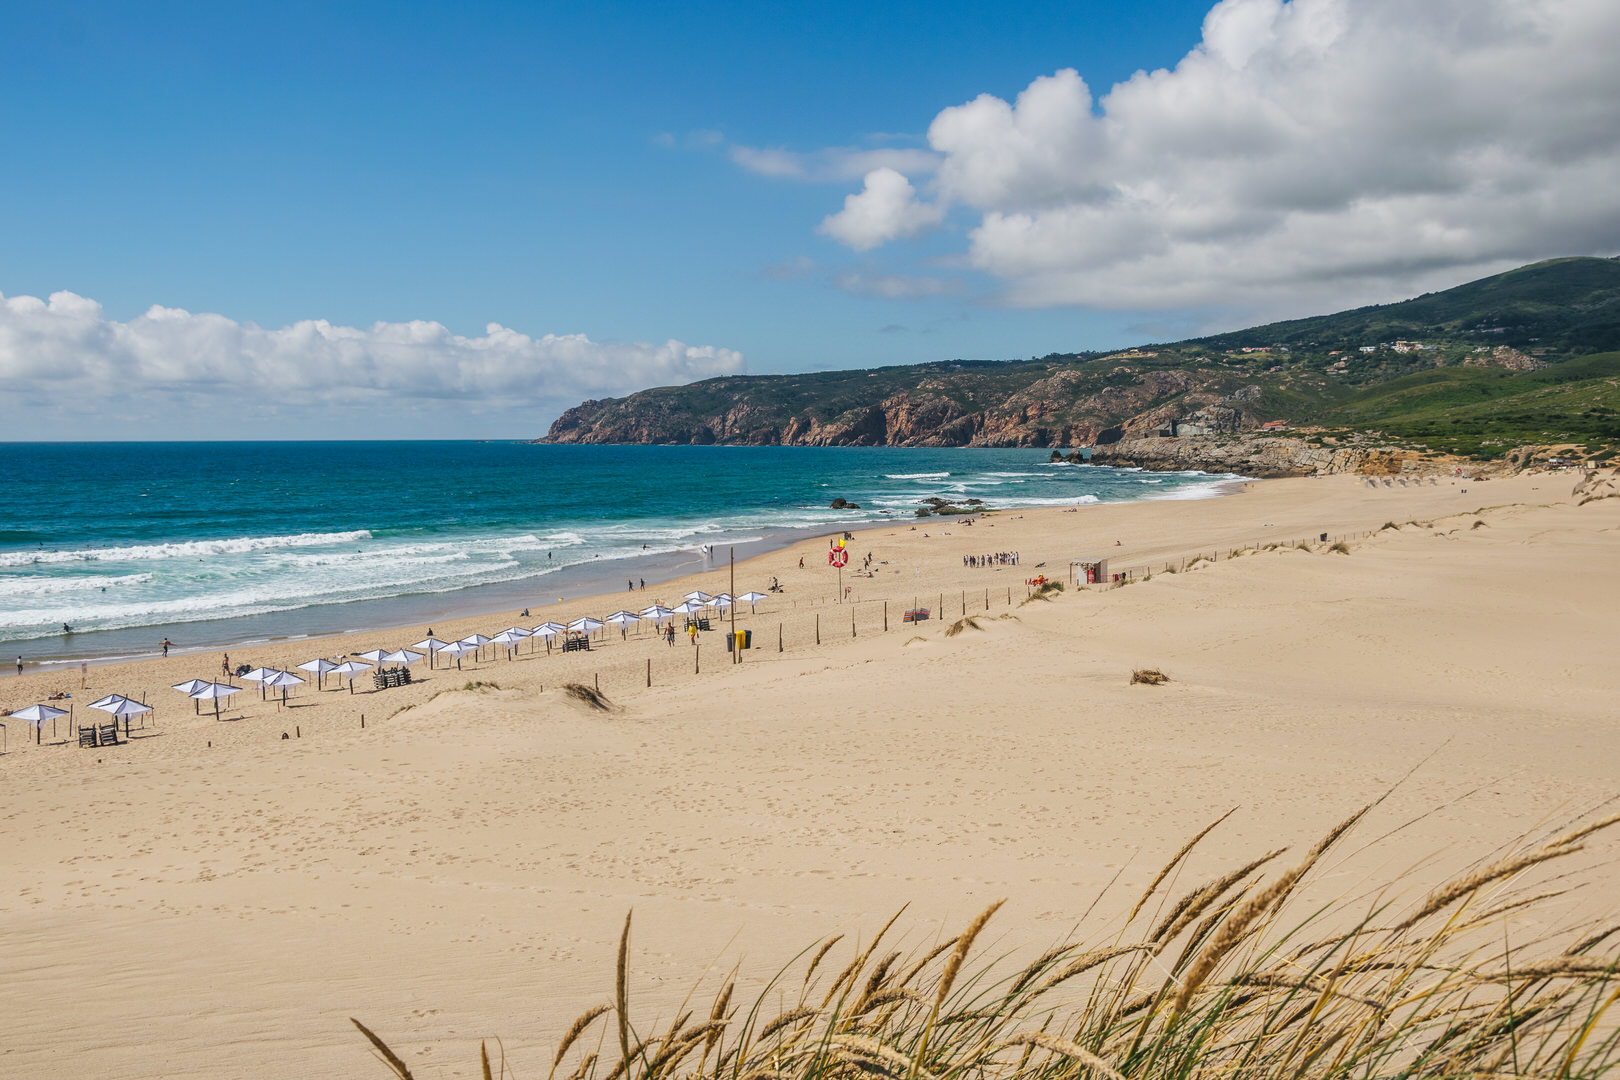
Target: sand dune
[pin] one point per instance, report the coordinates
(213, 900)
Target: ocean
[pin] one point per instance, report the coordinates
(219, 544)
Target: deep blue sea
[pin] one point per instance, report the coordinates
(219, 543)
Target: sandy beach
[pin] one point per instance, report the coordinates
(453, 860)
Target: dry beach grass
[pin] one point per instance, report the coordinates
(1232, 981)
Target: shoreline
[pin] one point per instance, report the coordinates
(808, 596)
(579, 582)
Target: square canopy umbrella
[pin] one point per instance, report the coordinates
(657, 613)
(319, 667)
(688, 607)
(213, 692)
(751, 598)
(375, 655)
(283, 681)
(258, 675)
(507, 640)
(37, 715)
(118, 705)
(699, 595)
(477, 641)
(189, 687)
(585, 625)
(404, 657)
(430, 645)
(623, 619)
(349, 669)
(548, 630)
(456, 650)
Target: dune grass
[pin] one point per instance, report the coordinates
(1149, 676)
(1225, 981)
(588, 696)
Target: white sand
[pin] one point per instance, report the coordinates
(211, 900)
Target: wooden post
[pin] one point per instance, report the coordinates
(649, 671)
(818, 628)
(852, 620)
(964, 603)
(696, 649)
(778, 637)
(598, 682)
(987, 601)
(885, 616)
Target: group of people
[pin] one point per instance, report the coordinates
(999, 558)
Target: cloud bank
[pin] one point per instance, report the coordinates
(1305, 152)
(65, 352)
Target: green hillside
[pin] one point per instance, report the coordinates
(1562, 307)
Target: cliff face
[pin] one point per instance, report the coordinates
(1272, 456)
(1045, 407)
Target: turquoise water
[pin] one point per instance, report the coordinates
(218, 543)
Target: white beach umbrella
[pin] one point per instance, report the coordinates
(349, 669)
(456, 650)
(431, 645)
(213, 692)
(189, 687)
(689, 607)
(108, 702)
(548, 629)
(623, 619)
(657, 613)
(722, 601)
(37, 715)
(585, 625)
(517, 632)
(404, 657)
(258, 675)
(319, 666)
(125, 707)
(477, 641)
(375, 656)
(699, 595)
(508, 641)
(751, 598)
(283, 681)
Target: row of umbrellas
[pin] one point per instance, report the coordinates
(691, 604)
(275, 679)
(115, 704)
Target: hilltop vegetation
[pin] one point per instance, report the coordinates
(1529, 356)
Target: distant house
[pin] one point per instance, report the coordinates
(1410, 346)
(1369, 348)
(1274, 425)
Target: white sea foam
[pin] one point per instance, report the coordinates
(185, 550)
(916, 476)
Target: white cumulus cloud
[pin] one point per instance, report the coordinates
(835, 163)
(64, 352)
(1303, 153)
(884, 209)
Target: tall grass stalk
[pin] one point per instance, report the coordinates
(1225, 982)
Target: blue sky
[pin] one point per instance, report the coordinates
(623, 172)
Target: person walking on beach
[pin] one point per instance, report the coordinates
(19, 665)
(691, 631)
(165, 647)
(225, 666)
